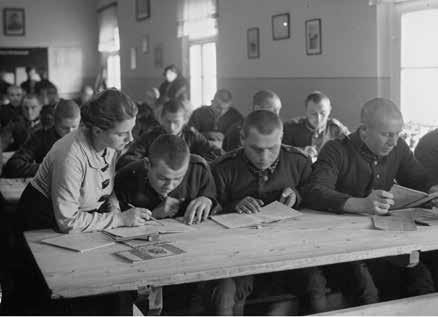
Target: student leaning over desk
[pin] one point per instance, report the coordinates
(73, 188)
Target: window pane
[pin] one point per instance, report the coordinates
(209, 72)
(419, 39)
(113, 70)
(418, 101)
(195, 76)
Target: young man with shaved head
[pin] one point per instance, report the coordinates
(173, 119)
(248, 178)
(354, 175)
(25, 162)
(311, 132)
(262, 100)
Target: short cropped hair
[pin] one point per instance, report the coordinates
(67, 109)
(263, 98)
(174, 106)
(264, 121)
(172, 68)
(224, 95)
(315, 97)
(171, 149)
(381, 105)
(30, 97)
(107, 108)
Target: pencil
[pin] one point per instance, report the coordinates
(154, 219)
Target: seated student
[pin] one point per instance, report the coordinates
(145, 121)
(48, 97)
(25, 162)
(426, 152)
(173, 119)
(12, 110)
(32, 79)
(73, 188)
(354, 175)
(312, 131)
(25, 124)
(262, 100)
(85, 95)
(216, 120)
(260, 172)
(170, 175)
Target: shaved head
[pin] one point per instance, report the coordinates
(266, 100)
(378, 110)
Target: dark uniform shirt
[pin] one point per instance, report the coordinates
(426, 152)
(29, 86)
(16, 133)
(232, 138)
(25, 162)
(197, 143)
(236, 178)
(347, 168)
(132, 186)
(298, 132)
(207, 121)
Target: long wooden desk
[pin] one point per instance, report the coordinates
(12, 188)
(213, 252)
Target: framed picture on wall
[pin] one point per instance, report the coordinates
(281, 26)
(158, 56)
(253, 43)
(14, 23)
(142, 9)
(313, 37)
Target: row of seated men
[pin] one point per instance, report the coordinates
(353, 173)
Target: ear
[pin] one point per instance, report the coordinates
(363, 130)
(96, 131)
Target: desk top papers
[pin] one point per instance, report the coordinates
(275, 211)
(151, 227)
(81, 241)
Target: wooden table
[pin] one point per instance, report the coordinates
(12, 188)
(213, 252)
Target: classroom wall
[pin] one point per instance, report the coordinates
(352, 68)
(69, 29)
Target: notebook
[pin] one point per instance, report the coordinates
(81, 242)
(399, 221)
(407, 198)
(275, 211)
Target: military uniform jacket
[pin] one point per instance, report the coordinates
(236, 178)
(299, 133)
(197, 143)
(25, 162)
(132, 186)
(232, 138)
(347, 168)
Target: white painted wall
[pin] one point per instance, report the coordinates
(69, 29)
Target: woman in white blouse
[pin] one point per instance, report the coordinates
(73, 188)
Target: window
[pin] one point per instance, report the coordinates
(109, 46)
(197, 22)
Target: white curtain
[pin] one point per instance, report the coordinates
(197, 18)
(108, 30)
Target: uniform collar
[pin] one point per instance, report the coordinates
(256, 171)
(95, 160)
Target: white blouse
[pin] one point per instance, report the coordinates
(76, 179)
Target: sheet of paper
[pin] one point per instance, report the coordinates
(151, 227)
(400, 221)
(275, 211)
(404, 196)
(81, 242)
(150, 252)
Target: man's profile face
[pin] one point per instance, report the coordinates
(164, 179)
(31, 109)
(381, 136)
(15, 96)
(318, 113)
(64, 126)
(262, 149)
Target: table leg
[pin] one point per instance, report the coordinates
(149, 301)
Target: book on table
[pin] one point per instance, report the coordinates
(405, 197)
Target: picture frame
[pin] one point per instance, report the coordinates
(253, 43)
(313, 37)
(145, 44)
(158, 56)
(281, 26)
(142, 9)
(14, 22)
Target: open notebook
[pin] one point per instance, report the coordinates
(275, 211)
(407, 198)
(81, 241)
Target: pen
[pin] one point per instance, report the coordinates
(154, 219)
